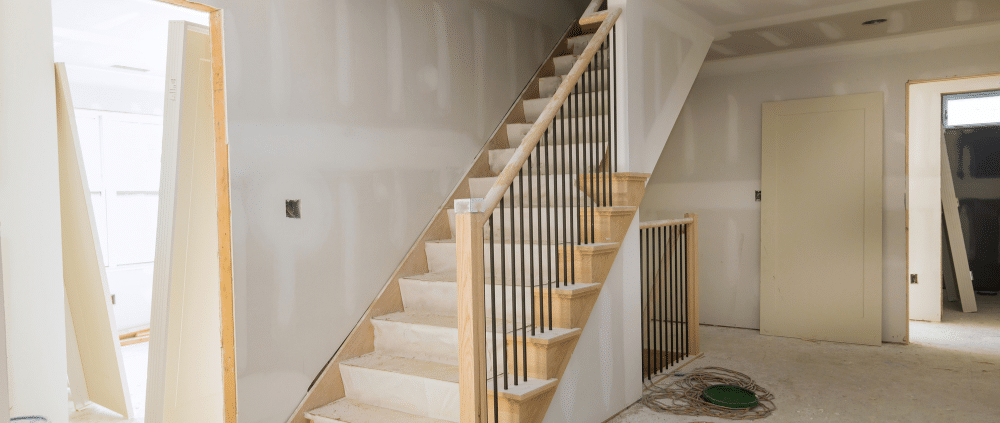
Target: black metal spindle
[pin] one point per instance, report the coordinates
(592, 154)
(524, 312)
(606, 76)
(554, 195)
(574, 201)
(684, 296)
(563, 174)
(548, 221)
(493, 309)
(531, 245)
(614, 86)
(503, 289)
(538, 211)
(673, 294)
(599, 99)
(514, 202)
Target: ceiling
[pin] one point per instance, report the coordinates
(98, 35)
(751, 27)
(728, 12)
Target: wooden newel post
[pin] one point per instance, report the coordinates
(694, 345)
(469, 221)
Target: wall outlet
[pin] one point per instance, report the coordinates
(756, 195)
(913, 278)
(292, 209)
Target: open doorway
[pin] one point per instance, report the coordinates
(116, 53)
(959, 118)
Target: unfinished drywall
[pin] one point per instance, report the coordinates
(661, 46)
(711, 166)
(368, 112)
(29, 213)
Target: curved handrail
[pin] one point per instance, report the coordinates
(591, 15)
(534, 135)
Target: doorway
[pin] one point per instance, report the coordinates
(116, 59)
(958, 117)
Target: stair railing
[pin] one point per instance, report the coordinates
(668, 256)
(518, 244)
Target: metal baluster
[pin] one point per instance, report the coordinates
(563, 174)
(493, 308)
(524, 303)
(514, 202)
(607, 121)
(503, 289)
(614, 86)
(541, 243)
(684, 293)
(531, 245)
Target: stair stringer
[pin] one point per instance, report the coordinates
(629, 189)
(328, 385)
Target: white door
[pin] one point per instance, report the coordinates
(97, 370)
(821, 219)
(185, 351)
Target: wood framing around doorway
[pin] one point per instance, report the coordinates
(957, 88)
(224, 209)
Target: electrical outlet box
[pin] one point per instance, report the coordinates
(756, 195)
(913, 278)
(292, 209)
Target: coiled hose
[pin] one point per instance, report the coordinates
(685, 395)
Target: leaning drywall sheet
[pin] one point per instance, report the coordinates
(185, 361)
(83, 268)
(960, 259)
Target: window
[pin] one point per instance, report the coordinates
(971, 109)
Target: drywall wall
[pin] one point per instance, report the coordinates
(661, 46)
(368, 112)
(711, 166)
(29, 212)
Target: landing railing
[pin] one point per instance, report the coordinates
(668, 255)
(519, 242)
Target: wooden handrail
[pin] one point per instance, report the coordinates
(668, 222)
(591, 10)
(534, 135)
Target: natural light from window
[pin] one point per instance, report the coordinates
(972, 109)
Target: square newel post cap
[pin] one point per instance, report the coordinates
(469, 205)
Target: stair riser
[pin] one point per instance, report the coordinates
(577, 131)
(549, 224)
(422, 342)
(441, 258)
(409, 394)
(553, 160)
(551, 185)
(563, 64)
(592, 104)
(547, 86)
(416, 297)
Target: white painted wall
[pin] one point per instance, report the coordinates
(661, 46)
(368, 112)
(29, 213)
(711, 165)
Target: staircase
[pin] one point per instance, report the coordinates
(401, 364)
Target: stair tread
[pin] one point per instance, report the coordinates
(351, 411)
(406, 366)
(563, 289)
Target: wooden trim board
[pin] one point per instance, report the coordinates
(956, 239)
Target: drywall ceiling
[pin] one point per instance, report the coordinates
(752, 27)
(107, 35)
(728, 12)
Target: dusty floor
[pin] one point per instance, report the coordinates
(949, 373)
(135, 358)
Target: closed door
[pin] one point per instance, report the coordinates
(821, 219)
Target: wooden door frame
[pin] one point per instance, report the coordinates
(227, 328)
(906, 157)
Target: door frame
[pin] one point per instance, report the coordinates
(936, 148)
(215, 28)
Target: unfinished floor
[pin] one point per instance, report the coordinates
(950, 372)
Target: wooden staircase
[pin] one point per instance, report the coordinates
(401, 363)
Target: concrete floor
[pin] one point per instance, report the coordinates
(950, 372)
